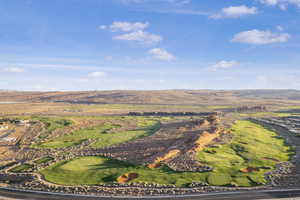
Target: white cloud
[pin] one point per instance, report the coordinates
(269, 2)
(172, 2)
(235, 12)
(279, 28)
(161, 54)
(96, 74)
(14, 69)
(136, 32)
(283, 7)
(125, 26)
(223, 64)
(260, 37)
(140, 36)
(282, 4)
(103, 27)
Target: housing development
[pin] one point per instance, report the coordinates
(149, 99)
(52, 143)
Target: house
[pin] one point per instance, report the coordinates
(3, 127)
(22, 122)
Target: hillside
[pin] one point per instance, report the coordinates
(183, 97)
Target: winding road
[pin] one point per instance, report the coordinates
(16, 194)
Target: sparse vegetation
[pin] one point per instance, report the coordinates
(265, 114)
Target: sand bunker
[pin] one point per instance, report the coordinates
(249, 169)
(127, 177)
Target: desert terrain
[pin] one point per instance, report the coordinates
(150, 142)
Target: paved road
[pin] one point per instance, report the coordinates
(245, 195)
(6, 134)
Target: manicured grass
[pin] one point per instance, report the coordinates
(21, 168)
(95, 170)
(250, 147)
(218, 179)
(102, 135)
(43, 160)
(52, 124)
(78, 137)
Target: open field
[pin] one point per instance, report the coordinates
(160, 141)
(170, 97)
(121, 102)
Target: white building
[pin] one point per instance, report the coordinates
(3, 127)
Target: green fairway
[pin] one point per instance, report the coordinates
(51, 124)
(253, 148)
(218, 179)
(102, 135)
(94, 170)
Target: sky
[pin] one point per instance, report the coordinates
(149, 44)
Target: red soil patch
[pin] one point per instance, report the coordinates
(127, 177)
(207, 138)
(204, 123)
(273, 159)
(154, 165)
(171, 154)
(249, 169)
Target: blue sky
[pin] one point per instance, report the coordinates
(149, 44)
